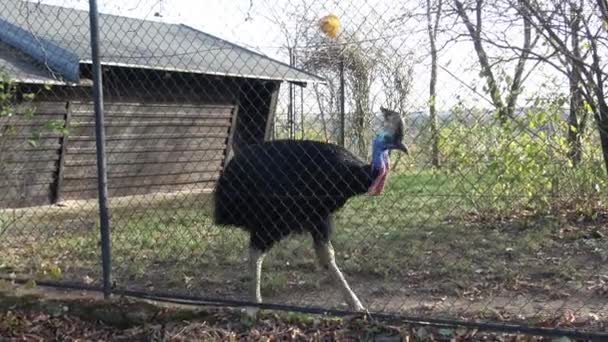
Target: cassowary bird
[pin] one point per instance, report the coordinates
(277, 188)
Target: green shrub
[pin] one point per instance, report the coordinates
(523, 164)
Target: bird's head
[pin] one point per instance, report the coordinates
(390, 137)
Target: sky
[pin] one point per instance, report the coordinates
(252, 24)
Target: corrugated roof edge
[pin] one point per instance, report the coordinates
(318, 79)
(58, 59)
(194, 71)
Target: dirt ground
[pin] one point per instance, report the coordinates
(44, 314)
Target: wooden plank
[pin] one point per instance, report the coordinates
(51, 107)
(144, 163)
(23, 136)
(24, 120)
(148, 149)
(144, 130)
(145, 144)
(28, 148)
(120, 192)
(151, 111)
(167, 136)
(139, 115)
(157, 156)
(30, 161)
(146, 169)
(23, 180)
(29, 156)
(34, 165)
(151, 176)
(31, 168)
(135, 103)
(31, 132)
(86, 185)
(155, 123)
(24, 144)
(24, 194)
(151, 107)
(27, 124)
(18, 200)
(57, 187)
(149, 114)
(208, 116)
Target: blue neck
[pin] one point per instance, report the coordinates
(379, 152)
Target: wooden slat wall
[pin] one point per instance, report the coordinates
(150, 148)
(28, 172)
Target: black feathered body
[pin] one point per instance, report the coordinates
(281, 187)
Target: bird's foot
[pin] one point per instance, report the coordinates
(360, 309)
(252, 312)
(356, 306)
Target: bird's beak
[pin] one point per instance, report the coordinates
(402, 147)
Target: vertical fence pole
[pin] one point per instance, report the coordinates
(290, 109)
(102, 178)
(342, 114)
(302, 112)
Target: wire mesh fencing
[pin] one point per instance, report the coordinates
(228, 136)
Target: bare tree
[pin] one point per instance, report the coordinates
(358, 64)
(396, 77)
(577, 117)
(585, 69)
(432, 26)
(327, 104)
(505, 107)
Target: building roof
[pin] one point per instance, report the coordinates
(20, 67)
(58, 38)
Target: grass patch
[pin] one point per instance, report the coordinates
(418, 234)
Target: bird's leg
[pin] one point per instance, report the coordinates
(256, 258)
(326, 255)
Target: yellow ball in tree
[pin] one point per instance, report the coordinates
(330, 24)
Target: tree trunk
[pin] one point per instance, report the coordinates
(486, 68)
(602, 125)
(433, 84)
(516, 84)
(575, 129)
(361, 91)
(322, 112)
(433, 117)
(602, 107)
(361, 108)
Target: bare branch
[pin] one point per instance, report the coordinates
(474, 32)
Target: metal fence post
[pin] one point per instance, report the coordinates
(342, 138)
(102, 179)
(291, 108)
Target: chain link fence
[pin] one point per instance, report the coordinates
(489, 217)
